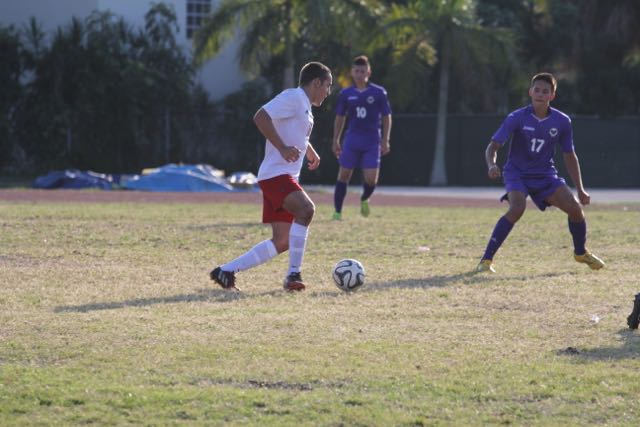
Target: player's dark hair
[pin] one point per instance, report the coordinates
(311, 71)
(545, 77)
(361, 60)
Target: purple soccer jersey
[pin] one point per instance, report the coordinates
(365, 110)
(534, 140)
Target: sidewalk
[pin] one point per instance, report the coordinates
(598, 195)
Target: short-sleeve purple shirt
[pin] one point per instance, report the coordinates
(365, 110)
(534, 140)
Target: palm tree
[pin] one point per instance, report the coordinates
(451, 27)
(273, 28)
(606, 50)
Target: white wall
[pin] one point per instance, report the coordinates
(222, 75)
(219, 76)
(134, 10)
(49, 13)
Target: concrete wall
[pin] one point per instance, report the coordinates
(219, 76)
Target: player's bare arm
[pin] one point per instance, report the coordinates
(312, 157)
(491, 156)
(385, 146)
(573, 168)
(338, 126)
(265, 126)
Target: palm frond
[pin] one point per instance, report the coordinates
(223, 24)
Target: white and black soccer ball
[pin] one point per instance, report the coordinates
(348, 275)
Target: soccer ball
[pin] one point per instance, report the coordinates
(348, 274)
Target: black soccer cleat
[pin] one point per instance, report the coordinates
(226, 279)
(294, 282)
(634, 318)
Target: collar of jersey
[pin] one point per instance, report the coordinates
(355, 88)
(305, 98)
(533, 114)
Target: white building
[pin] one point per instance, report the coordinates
(219, 76)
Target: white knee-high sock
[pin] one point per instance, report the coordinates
(297, 242)
(259, 254)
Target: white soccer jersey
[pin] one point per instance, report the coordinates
(291, 114)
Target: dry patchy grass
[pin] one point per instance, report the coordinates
(107, 317)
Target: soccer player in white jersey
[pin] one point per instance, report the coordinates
(286, 122)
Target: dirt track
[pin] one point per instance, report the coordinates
(96, 196)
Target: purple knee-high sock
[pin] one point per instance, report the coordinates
(579, 233)
(500, 232)
(367, 191)
(339, 195)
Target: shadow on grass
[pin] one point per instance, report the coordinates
(630, 349)
(247, 224)
(216, 295)
(219, 295)
(467, 278)
(429, 282)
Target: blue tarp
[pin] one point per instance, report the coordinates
(171, 177)
(74, 179)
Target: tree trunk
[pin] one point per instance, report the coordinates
(167, 135)
(439, 170)
(288, 80)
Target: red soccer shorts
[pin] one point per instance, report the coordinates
(274, 191)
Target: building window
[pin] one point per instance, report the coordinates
(197, 10)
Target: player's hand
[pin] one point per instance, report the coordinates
(314, 159)
(290, 154)
(494, 172)
(337, 149)
(385, 148)
(584, 197)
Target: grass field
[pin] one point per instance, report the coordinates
(107, 317)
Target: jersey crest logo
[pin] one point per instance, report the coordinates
(370, 99)
(553, 132)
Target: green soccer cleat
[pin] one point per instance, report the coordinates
(485, 266)
(337, 216)
(590, 259)
(364, 208)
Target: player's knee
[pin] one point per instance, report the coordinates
(281, 244)
(515, 212)
(305, 214)
(575, 213)
(344, 175)
(371, 182)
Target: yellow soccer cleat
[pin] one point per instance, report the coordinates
(364, 208)
(590, 259)
(485, 266)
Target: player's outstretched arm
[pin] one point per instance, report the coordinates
(338, 126)
(386, 132)
(573, 168)
(265, 126)
(491, 156)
